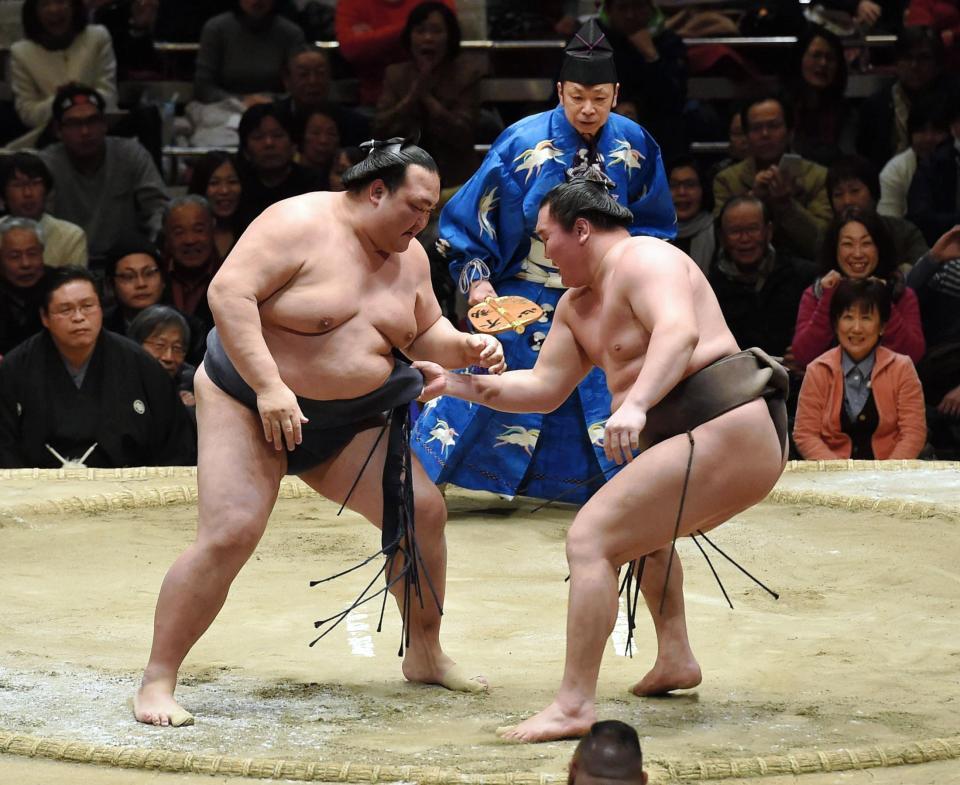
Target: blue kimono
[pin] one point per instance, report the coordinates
(491, 220)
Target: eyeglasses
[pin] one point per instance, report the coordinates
(743, 231)
(68, 310)
(31, 254)
(149, 274)
(24, 185)
(161, 348)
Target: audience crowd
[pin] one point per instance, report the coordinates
(828, 228)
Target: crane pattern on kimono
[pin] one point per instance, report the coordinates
(517, 435)
(443, 433)
(535, 157)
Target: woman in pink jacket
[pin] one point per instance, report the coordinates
(857, 246)
(860, 400)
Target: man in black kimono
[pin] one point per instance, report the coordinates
(21, 280)
(76, 394)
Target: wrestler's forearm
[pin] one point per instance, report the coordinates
(241, 333)
(513, 391)
(443, 344)
(668, 356)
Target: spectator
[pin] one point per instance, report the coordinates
(318, 140)
(60, 48)
(852, 182)
(343, 159)
(795, 193)
(936, 279)
(928, 127)
(216, 177)
(932, 201)
(882, 131)
(131, 24)
(652, 65)
(165, 334)
(856, 245)
(21, 280)
(816, 79)
(943, 16)
(268, 172)
(758, 288)
(370, 33)
(737, 149)
(694, 205)
(135, 278)
(108, 186)
(78, 394)
(860, 399)
(191, 262)
(25, 183)
(434, 94)
(610, 752)
(242, 53)
(306, 77)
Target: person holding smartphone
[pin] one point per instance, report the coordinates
(793, 188)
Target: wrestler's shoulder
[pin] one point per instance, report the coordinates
(314, 207)
(642, 248)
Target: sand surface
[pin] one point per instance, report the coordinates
(863, 648)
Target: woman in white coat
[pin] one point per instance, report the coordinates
(59, 47)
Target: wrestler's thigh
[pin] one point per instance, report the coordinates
(334, 479)
(737, 459)
(238, 471)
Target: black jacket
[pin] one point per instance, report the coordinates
(127, 404)
(764, 318)
(932, 201)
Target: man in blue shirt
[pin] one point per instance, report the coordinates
(487, 233)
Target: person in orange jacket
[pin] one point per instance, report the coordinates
(859, 399)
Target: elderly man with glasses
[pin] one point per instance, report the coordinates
(21, 276)
(25, 183)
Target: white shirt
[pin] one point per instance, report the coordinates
(895, 179)
(36, 73)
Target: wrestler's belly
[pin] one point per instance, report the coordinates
(330, 366)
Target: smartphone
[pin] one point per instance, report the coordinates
(790, 164)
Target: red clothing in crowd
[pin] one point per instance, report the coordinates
(813, 334)
(944, 17)
(369, 34)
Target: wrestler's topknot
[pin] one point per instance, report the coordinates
(586, 197)
(386, 160)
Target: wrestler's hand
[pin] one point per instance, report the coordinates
(621, 436)
(281, 416)
(434, 380)
(486, 351)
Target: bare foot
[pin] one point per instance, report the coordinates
(551, 724)
(667, 675)
(154, 705)
(443, 671)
